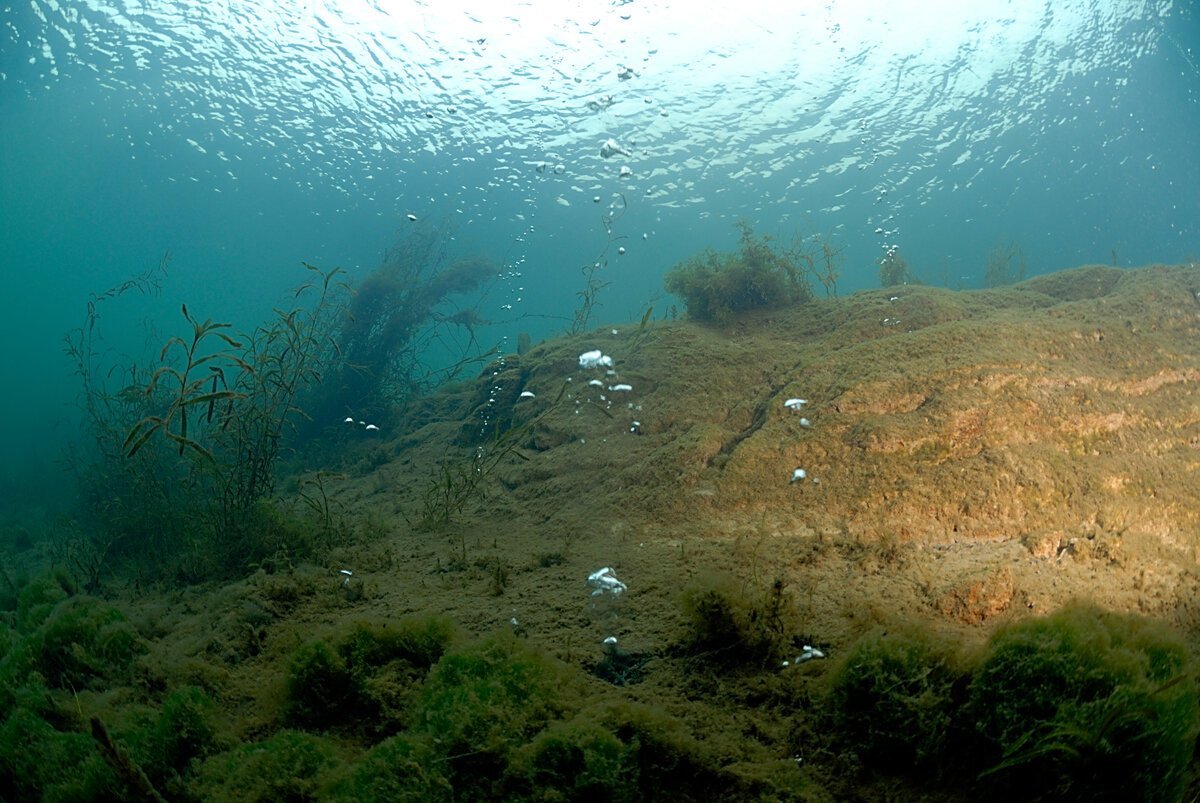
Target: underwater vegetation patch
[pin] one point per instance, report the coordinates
(893, 699)
(362, 680)
(739, 623)
(715, 287)
(183, 458)
(1087, 704)
(290, 765)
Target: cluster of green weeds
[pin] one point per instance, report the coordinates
(398, 712)
(61, 650)
(740, 623)
(423, 297)
(1005, 265)
(717, 286)
(179, 479)
(1081, 705)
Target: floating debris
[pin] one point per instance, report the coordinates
(526, 394)
(412, 217)
(347, 420)
(372, 428)
(595, 359)
(603, 580)
(626, 171)
(621, 250)
(620, 388)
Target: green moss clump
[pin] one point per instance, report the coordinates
(482, 702)
(65, 642)
(321, 689)
(400, 769)
(83, 639)
(420, 641)
(182, 732)
(36, 600)
(40, 762)
(289, 766)
(578, 759)
(1087, 705)
(738, 624)
(715, 287)
(363, 679)
(893, 699)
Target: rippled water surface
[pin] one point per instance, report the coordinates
(246, 136)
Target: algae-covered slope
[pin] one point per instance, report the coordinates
(1066, 403)
(972, 462)
(1025, 441)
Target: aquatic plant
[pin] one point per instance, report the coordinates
(716, 286)
(400, 768)
(361, 680)
(831, 266)
(395, 317)
(999, 269)
(187, 486)
(485, 700)
(893, 269)
(734, 623)
(1086, 704)
(290, 765)
(579, 758)
(183, 731)
(893, 699)
(460, 478)
(592, 285)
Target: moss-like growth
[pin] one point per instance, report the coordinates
(321, 689)
(419, 640)
(363, 679)
(40, 762)
(1087, 705)
(37, 599)
(717, 286)
(183, 732)
(482, 702)
(400, 770)
(739, 624)
(66, 644)
(893, 269)
(893, 699)
(83, 639)
(577, 759)
(289, 766)
(618, 752)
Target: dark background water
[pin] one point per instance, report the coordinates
(245, 140)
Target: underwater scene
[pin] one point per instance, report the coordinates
(600, 400)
